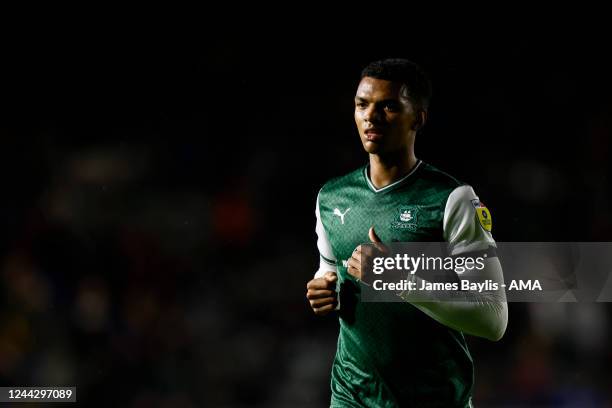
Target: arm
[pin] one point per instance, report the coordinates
(327, 260)
(321, 290)
(479, 314)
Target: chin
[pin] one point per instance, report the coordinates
(371, 148)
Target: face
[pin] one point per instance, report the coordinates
(386, 120)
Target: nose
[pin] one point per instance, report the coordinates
(371, 114)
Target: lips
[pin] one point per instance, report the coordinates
(373, 135)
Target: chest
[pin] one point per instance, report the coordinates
(400, 217)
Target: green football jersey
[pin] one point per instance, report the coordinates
(392, 354)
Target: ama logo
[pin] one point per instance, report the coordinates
(525, 285)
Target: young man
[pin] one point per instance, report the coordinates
(411, 353)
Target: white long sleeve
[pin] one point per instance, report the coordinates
(327, 260)
(480, 314)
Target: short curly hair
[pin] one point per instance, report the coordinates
(417, 84)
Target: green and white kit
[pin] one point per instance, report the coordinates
(393, 354)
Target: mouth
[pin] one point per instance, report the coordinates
(373, 134)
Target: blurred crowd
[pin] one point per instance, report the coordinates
(143, 295)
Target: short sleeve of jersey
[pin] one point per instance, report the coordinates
(467, 222)
(327, 260)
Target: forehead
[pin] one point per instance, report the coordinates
(378, 89)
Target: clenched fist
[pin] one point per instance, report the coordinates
(322, 294)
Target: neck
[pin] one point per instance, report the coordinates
(388, 168)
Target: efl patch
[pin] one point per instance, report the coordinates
(484, 215)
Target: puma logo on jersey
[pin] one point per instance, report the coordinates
(341, 214)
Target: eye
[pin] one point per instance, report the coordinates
(361, 104)
(391, 107)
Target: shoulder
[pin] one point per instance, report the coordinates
(337, 184)
(432, 185)
(437, 178)
(458, 191)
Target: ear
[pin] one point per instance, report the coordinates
(421, 118)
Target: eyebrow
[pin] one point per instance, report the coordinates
(361, 99)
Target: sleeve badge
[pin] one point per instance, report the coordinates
(483, 214)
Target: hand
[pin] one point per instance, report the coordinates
(354, 263)
(322, 294)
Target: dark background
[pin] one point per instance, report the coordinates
(159, 192)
